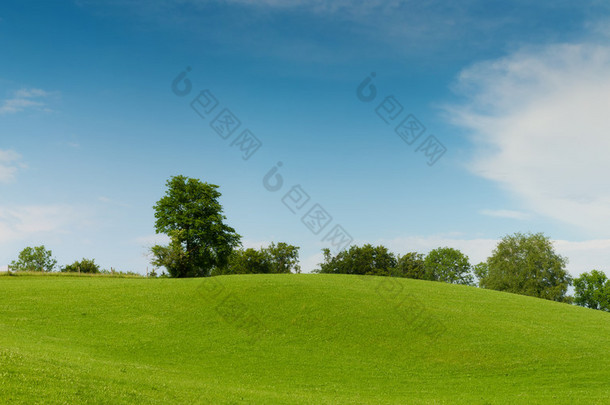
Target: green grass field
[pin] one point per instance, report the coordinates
(293, 339)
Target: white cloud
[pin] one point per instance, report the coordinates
(18, 223)
(310, 263)
(586, 255)
(540, 123)
(25, 99)
(510, 214)
(9, 162)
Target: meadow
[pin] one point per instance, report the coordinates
(293, 339)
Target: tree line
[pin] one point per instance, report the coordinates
(202, 244)
(40, 259)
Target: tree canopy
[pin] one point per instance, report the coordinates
(443, 264)
(200, 240)
(274, 259)
(34, 259)
(411, 265)
(526, 264)
(592, 290)
(365, 260)
(448, 265)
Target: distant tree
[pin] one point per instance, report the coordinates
(191, 215)
(592, 290)
(276, 258)
(480, 271)
(284, 258)
(84, 266)
(365, 260)
(248, 261)
(173, 256)
(411, 265)
(448, 265)
(34, 259)
(527, 264)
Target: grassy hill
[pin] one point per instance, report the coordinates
(293, 339)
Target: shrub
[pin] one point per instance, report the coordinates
(84, 266)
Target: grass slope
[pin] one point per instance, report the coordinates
(293, 339)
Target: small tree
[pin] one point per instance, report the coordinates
(34, 259)
(173, 257)
(448, 265)
(592, 290)
(84, 266)
(527, 264)
(284, 258)
(411, 265)
(480, 271)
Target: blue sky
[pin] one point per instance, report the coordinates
(516, 94)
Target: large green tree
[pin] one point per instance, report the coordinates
(592, 290)
(526, 264)
(200, 240)
(34, 259)
(448, 265)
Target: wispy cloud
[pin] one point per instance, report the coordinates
(110, 201)
(26, 99)
(10, 161)
(359, 30)
(23, 222)
(326, 6)
(510, 214)
(539, 121)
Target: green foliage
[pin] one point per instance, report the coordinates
(448, 265)
(443, 264)
(34, 259)
(191, 216)
(173, 257)
(284, 258)
(248, 261)
(527, 264)
(592, 290)
(277, 259)
(365, 260)
(480, 271)
(84, 266)
(411, 265)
